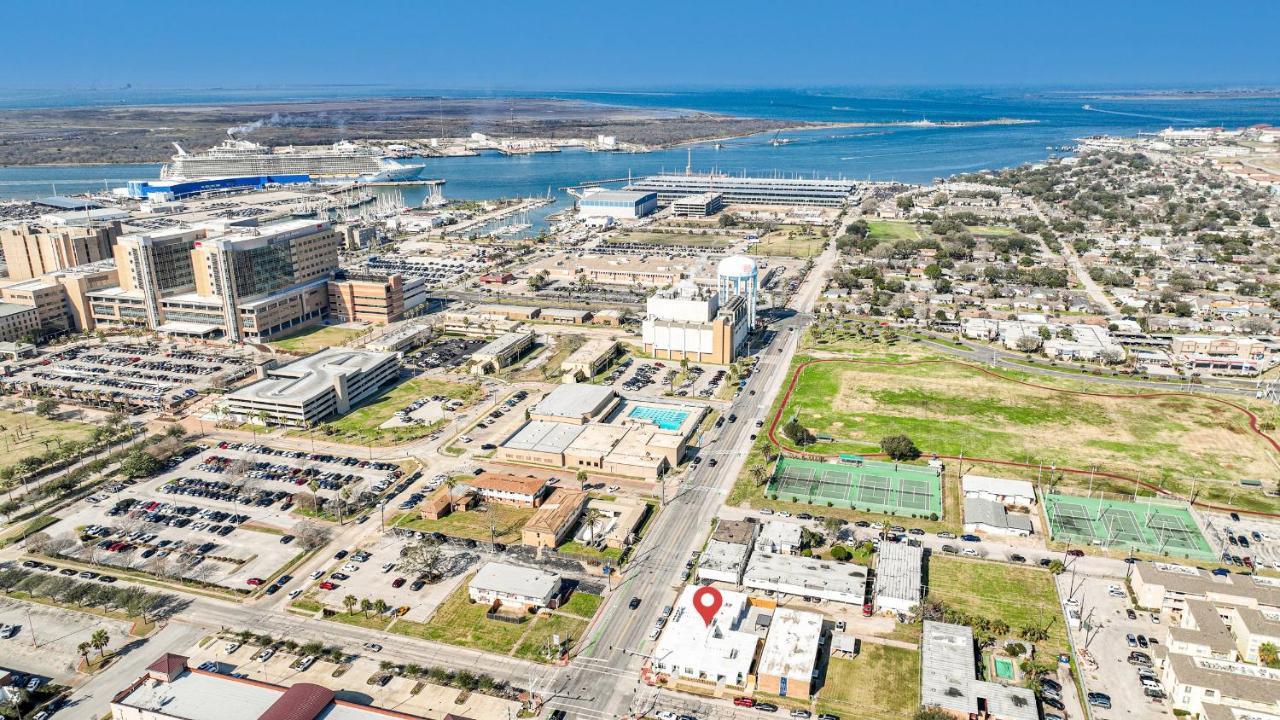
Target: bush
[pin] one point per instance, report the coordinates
(899, 447)
(840, 553)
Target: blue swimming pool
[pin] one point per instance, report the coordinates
(662, 417)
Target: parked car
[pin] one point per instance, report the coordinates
(1100, 700)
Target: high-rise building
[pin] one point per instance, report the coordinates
(687, 322)
(31, 250)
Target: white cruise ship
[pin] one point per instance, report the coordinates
(340, 162)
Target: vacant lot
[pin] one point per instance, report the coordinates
(314, 339)
(502, 523)
(789, 243)
(881, 683)
(362, 426)
(892, 230)
(1017, 595)
(953, 408)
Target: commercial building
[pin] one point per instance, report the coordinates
(898, 581)
(806, 577)
(621, 204)
(589, 360)
(577, 403)
(169, 690)
(565, 316)
(701, 205)
(982, 515)
(1005, 492)
(724, 558)
(716, 652)
(377, 299)
(1168, 586)
(739, 190)
(554, 519)
(31, 251)
(779, 537)
(790, 654)
(507, 489)
(514, 585)
(949, 679)
(501, 352)
(317, 387)
(685, 322)
(18, 322)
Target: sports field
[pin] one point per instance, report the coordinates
(954, 408)
(1152, 525)
(867, 485)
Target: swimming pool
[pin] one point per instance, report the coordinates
(662, 417)
(1004, 669)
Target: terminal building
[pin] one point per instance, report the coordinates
(740, 190)
(620, 204)
(701, 205)
(315, 388)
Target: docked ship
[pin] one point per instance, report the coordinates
(340, 162)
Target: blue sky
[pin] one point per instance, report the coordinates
(566, 44)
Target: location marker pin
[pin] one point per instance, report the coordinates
(707, 601)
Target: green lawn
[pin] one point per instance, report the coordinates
(892, 230)
(577, 549)
(782, 243)
(991, 230)
(1020, 596)
(536, 643)
(361, 426)
(458, 621)
(711, 239)
(25, 434)
(506, 522)
(314, 339)
(582, 604)
(880, 683)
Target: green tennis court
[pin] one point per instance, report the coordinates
(1150, 525)
(869, 485)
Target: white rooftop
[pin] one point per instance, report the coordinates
(304, 379)
(515, 580)
(544, 436)
(998, 486)
(898, 572)
(791, 649)
(716, 649)
(573, 400)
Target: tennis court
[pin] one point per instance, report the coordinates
(869, 485)
(1151, 525)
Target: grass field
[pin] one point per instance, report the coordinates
(881, 683)
(952, 409)
(25, 434)
(1020, 596)
(711, 239)
(506, 521)
(314, 339)
(892, 230)
(782, 243)
(582, 604)
(361, 426)
(536, 644)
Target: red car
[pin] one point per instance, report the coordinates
(254, 581)
(326, 585)
(744, 702)
(398, 582)
(867, 610)
(1076, 553)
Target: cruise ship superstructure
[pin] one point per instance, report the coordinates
(340, 162)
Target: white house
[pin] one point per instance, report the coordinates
(514, 585)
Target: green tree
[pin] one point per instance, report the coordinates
(99, 640)
(1269, 655)
(139, 464)
(349, 602)
(899, 447)
(797, 433)
(1261, 220)
(46, 408)
(932, 712)
(1056, 567)
(380, 606)
(365, 606)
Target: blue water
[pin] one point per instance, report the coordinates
(879, 153)
(665, 419)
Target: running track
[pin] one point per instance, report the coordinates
(1253, 422)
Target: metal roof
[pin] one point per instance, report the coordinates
(898, 572)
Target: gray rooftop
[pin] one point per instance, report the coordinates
(503, 343)
(1185, 580)
(303, 379)
(990, 512)
(573, 400)
(898, 573)
(544, 436)
(515, 580)
(739, 532)
(949, 677)
(7, 309)
(1242, 681)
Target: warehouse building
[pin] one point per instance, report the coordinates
(317, 387)
(620, 204)
(898, 578)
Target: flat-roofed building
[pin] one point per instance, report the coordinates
(170, 690)
(501, 352)
(554, 518)
(506, 312)
(624, 204)
(18, 322)
(508, 489)
(899, 576)
(806, 577)
(589, 360)
(740, 190)
(514, 585)
(716, 652)
(565, 316)
(31, 251)
(317, 387)
(608, 316)
(724, 559)
(686, 322)
(1001, 490)
(576, 403)
(1165, 585)
(790, 653)
(1192, 682)
(78, 282)
(703, 204)
(46, 297)
(616, 521)
(377, 299)
(949, 678)
(779, 537)
(982, 515)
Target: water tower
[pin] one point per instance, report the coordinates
(738, 275)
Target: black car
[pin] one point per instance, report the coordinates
(1017, 558)
(1054, 703)
(635, 603)
(1051, 684)
(765, 707)
(1129, 613)
(340, 554)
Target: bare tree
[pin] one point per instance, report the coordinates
(310, 535)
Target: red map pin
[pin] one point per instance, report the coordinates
(707, 601)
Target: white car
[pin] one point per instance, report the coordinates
(8, 631)
(317, 574)
(766, 511)
(665, 715)
(970, 552)
(265, 655)
(295, 593)
(231, 647)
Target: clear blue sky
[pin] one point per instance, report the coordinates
(566, 44)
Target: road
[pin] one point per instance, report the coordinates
(1092, 288)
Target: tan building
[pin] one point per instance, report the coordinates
(554, 519)
(31, 251)
(686, 322)
(790, 653)
(17, 322)
(367, 298)
(1169, 586)
(47, 297)
(589, 360)
(509, 489)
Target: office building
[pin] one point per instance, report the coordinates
(589, 360)
(514, 585)
(671, 187)
(790, 654)
(620, 204)
(315, 388)
(700, 205)
(31, 251)
(949, 679)
(716, 652)
(18, 322)
(47, 298)
(686, 322)
(377, 299)
(501, 352)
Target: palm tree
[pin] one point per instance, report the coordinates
(451, 483)
(589, 518)
(314, 486)
(365, 606)
(84, 648)
(582, 479)
(380, 606)
(349, 602)
(99, 640)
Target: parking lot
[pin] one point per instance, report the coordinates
(224, 514)
(45, 643)
(653, 377)
(497, 421)
(1104, 605)
(1243, 540)
(140, 375)
(446, 352)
